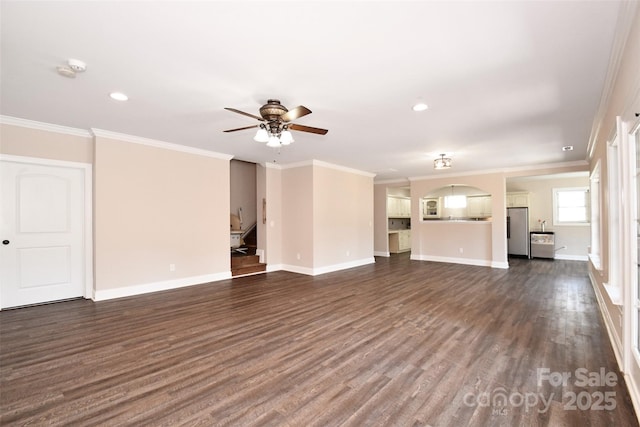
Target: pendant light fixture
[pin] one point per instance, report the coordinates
(442, 163)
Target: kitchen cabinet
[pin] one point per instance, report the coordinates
(399, 241)
(518, 200)
(430, 208)
(398, 207)
(478, 206)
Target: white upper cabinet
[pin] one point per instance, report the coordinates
(398, 207)
(518, 200)
(479, 206)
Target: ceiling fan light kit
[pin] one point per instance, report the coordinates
(276, 122)
(262, 135)
(285, 137)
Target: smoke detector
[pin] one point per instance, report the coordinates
(65, 71)
(76, 65)
(73, 67)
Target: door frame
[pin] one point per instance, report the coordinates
(87, 172)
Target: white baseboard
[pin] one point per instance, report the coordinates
(380, 253)
(274, 267)
(572, 257)
(501, 264)
(297, 269)
(634, 393)
(127, 291)
(343, 266)
(608, 323)
(329, 268)
(632, 387)
(453, 260)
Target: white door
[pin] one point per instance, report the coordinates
(42, 233)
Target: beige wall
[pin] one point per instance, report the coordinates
(623, 101)
(380, 232)
(272, 231)
(24, 141)
(481, 243)
(261, 193)
(342, 216)
(297, 217)
(465, 242)
(575, 239)
(154, 207)
(327, 218)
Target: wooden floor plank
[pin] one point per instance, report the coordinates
(397, 343)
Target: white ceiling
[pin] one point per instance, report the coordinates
(508, 83)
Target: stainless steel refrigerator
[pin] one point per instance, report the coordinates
(518, 231)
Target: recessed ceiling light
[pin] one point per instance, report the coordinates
(420, 106)
(118, 96)
(567, 148)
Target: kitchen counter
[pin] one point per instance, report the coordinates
(463, 219)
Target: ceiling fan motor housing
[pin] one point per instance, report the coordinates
(272, 110)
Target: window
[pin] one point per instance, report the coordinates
(454, 202)
(571, 206)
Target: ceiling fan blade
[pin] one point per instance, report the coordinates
(295, 113)
(308, 129)
(244, 114)
(246, 127)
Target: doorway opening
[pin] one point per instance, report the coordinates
(243, 219)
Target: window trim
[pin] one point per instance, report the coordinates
(556, 222)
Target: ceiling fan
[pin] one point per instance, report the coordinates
(276, 123)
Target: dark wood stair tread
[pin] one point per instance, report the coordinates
(248, 268)
(238, 261)
(246, 264)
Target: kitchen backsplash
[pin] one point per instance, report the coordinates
(399, 224)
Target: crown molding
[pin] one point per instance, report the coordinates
(506, 171)
(327, 165)
(99, 133)
(271, 165)
(48, 127)
(393, 181)
(296, 164)
(624, 24)
(342, 168)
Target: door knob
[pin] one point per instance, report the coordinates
(5, 242)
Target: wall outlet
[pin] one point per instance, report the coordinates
(348, 253)
(461, 250)
(172, 267)
(297, 256)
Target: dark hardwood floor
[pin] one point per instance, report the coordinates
(395, 343)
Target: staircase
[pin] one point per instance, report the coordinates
(250, 238)
(246, 264)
